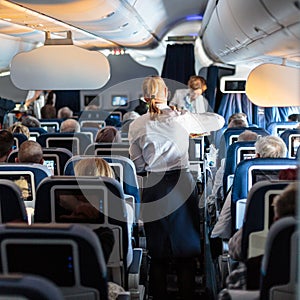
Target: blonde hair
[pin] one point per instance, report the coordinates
(154, 89)
(18, 127)
(93, 167)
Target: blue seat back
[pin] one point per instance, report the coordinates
(70, 255)
(28, 286)
(19, 138)
(51, 125)
(12, 208)
(233, 157)
(249, 172)
(130, 182)
(277, 128)
(59, 155)
(107, 149)
(291, 137)
(230, 135)
(29, 174)
(75, 142)
(276, 265)
(255, 209)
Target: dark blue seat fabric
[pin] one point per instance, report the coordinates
(39, 130)
(28, 286)
(70, 255)
(276, 128)
(108, 149)
(233, 133)
(11, 204)
(266, 169)
(255, 209)
(65, 140)
(276, 264)
(130, 183)
(290, 137)
(232, 158)
(62, 154)
(19, 138)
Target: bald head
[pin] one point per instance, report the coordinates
(30, 152)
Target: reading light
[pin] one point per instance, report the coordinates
(59, 65)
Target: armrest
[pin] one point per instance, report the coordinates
(242, 294)
(134, 269)
(123, 296)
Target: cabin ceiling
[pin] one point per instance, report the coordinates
(98, 24)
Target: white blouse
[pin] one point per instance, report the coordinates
(162, 144)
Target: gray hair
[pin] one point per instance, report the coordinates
(248, 135)
(70, 125)
(270, 146)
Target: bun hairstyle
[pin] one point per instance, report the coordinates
(154, 89)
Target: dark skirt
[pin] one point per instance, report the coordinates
(171, 216)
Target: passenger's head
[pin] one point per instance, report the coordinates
(30, 152)
(239, 115)
(18, 127)
(285, 203)
(48, 112)
(93, 167)
(6, 143)
(248, 135)
(197, 85)
(31, 121)
(70, 125)
(294, 118)
(270, 146)
(64, 113)
(155, 93)
(238, 123)
(108, 134)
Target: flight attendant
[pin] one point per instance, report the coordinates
(159, 142)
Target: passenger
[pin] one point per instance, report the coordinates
(48, 111)
(267, 146)
(159, 142)
(64, 113)
(31, 121)
(18, 127)
(99, 167)
(191, 99)
(294, 118)
(108, 134)
(69, 125)
(128, 118)
(235, 243)
(239, 115)
(238, 123)
(247, 274)
(30, 152)
(6, 144)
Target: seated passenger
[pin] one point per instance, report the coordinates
(18, 127)
(64, 113)
(267, 146)
(69, 125)
(108, 134)
(247, 274)
(159, 142)
(30, 121)
(6, 144)
(30, 152)
(99, 167)
(48, 111)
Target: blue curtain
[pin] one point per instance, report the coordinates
(235, 103)
(179, 63)
(279, 114)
